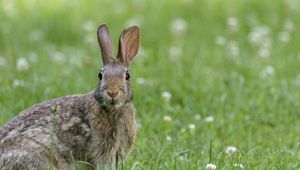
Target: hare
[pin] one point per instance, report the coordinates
(97, 128)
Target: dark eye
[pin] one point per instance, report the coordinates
(100, 76)
(127, 75)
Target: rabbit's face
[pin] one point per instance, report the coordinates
(114, 86)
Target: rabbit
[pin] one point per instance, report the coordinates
(97, 128)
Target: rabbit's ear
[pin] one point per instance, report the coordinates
(105, 44)
(128, 45)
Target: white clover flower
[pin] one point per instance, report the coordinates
(169, 138)
(258, 35)
(233, 24)
(192, 128)
(230, 150)
(178, 27)
(254, 37)
(175, 52)
(2, 61)
(141, 81)
(238, 165)
(211, 166)
(183, 157)
(264, 52)
(284, 37)
(232, 21)
(233, 48)
(22, 64)
(167, 118)
(220, 40)
(197, 117)
(209, 119)
(166, 96)
(89, 26)
(18, 83)
(289, 25)
(58, 57)
(267, 73)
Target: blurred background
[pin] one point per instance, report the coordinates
(226, 71)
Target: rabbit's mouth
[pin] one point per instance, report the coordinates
(112, 103)
(107, 101)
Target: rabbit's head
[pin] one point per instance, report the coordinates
(114, 87)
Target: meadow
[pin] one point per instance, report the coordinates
(211, 73)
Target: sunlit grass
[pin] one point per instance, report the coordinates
(226, 71)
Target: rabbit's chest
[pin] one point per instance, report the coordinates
(115, 138)
(125, 134)
(123, 130)
(112, 137)
(122, 136)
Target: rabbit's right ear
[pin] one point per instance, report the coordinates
(105, 44)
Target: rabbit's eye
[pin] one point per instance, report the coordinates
(100, 76)
(127, 75)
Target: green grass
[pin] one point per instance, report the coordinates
(254, 100)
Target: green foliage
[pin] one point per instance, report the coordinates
(220, 71)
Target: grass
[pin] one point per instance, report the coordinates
(245, 74)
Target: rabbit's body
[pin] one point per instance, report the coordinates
(67, 129)
(98, 127)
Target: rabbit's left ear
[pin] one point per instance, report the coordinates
(128, 45)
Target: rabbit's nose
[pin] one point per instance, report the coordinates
(112, 94)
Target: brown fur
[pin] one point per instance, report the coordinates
(98, 127)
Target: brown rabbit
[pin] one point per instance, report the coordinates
(98, 128)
